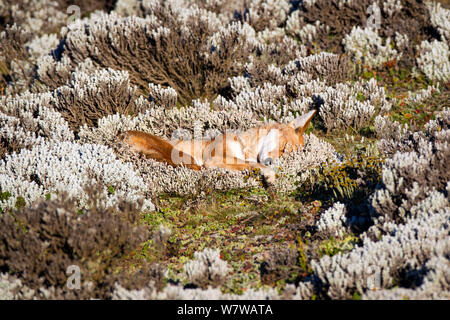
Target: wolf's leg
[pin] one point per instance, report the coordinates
(156, 148)
(227, 151)
(240, 165)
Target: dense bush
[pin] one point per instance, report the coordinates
(418, 168)
(189, 51)
(350, 180)
(15, 68)
(396, 259)
(280, 265)
(330, 21)
(88, 98)
(40, 242)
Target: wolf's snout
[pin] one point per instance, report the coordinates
(265, 161)
(268, 161)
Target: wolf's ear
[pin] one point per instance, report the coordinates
(301, 123)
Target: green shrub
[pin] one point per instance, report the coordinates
(353, 179)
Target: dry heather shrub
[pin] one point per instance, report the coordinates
(196, 121)
(406, 19)
(265, 14)
(352, 105)
(293, 169)
(55, 166)
(11, 288)
(433, 60)
(46, 16)
(410, 18)
(51, 74)
(396, 259)
(281, 263)
(306, 32)
(166, 97)
(275, 50)
(440, 17)
(302, 85)
(89, 97)
(419, 168)
(179, 292)
(27, 120)
(39, 243)
(207, 269)
(188, 50)
(367, 48)
(332, 221)
(330, 68)
(38, 16)
(228, 9)
(340, 106)
(15, 67)
(12, 41)
(41, 46)
(392, 136)
(88, 6)
(13, 136)
(435, 285)
(339, 15)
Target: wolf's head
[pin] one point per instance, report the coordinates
(284, 139)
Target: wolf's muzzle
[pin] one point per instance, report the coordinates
(267, 161)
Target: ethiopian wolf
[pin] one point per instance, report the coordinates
(252, 149)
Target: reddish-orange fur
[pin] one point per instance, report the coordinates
(232, 151)
(155, 147)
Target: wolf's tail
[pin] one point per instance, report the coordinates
(156, 148)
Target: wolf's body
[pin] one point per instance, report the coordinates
(253, 149)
